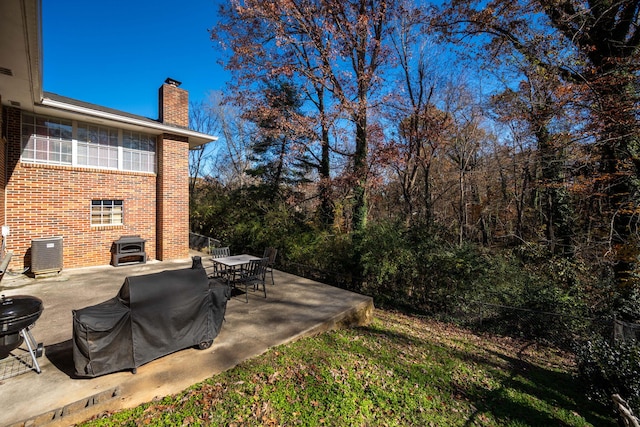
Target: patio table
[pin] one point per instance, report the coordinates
(234, 261)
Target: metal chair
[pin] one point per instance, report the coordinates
(271, 253)
(218, 270)
(220, 252)
(253, 275)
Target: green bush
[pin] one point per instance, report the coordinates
(536, 299)
(387, 264)
(609, 368)
(247, 220)
(628, 304)
(510, 292)
(415, 268)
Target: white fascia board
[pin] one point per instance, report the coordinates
(196, 139)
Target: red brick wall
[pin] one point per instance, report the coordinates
(174, 106)
(173, 198)
(47, 201)
(173, 176)
(3, 163)
(51, 201)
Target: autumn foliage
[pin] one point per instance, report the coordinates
(512, 127)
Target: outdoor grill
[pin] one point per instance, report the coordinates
(128, 249)
(18, 314)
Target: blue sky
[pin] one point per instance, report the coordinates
(117, 53)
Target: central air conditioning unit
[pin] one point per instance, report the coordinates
(46, 255)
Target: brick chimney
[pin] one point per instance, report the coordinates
(174, 104)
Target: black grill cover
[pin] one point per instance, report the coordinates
(152, 315)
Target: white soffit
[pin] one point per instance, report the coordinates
(20, 47)
(71, 111)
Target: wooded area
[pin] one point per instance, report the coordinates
(511, 128)
(474, 160)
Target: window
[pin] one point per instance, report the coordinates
(66, 142)
(46, 140)
(139, 153)
(106, 212)
(97, 146)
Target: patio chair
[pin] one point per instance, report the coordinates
(271, 254)
(253, 275)
(219, 270)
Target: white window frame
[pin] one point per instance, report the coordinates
(49, 145)
(36, 148)
(98, 146)
(106, 212)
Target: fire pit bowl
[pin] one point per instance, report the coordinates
(16, 313)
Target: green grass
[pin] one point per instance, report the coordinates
(398, 371)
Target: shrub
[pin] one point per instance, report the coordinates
(412, 267)
(609, 368)
(415, 268)
(387, 264)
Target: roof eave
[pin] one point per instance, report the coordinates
(196, 139)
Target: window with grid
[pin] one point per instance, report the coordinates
(97, 146)
(139, 152)
(67, 142)
(106, 212)
(47, 140)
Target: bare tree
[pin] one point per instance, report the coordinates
(201, 119)
(421, 124)
(593, 47)
(231, 160)
(335, 47)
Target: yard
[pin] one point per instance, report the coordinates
(401, 370)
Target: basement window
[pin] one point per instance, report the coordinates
(106, 212)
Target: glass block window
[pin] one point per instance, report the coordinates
(107, 212)
(46, 140)
(97, 146)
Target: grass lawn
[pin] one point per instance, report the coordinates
(398, 371)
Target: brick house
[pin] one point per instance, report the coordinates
(82, 172)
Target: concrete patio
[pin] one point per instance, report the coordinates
(295, 308)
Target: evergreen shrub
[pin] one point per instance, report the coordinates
(510, 293)
(610, 367)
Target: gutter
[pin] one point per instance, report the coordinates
(196, 139)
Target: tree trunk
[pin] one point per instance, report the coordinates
(620, 167)
(360, 206)
(428, 202)
(326, 204)
(556, 206)
(462, 207)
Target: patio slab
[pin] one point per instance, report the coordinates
(295, 308)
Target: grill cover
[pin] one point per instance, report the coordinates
(152, 315)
